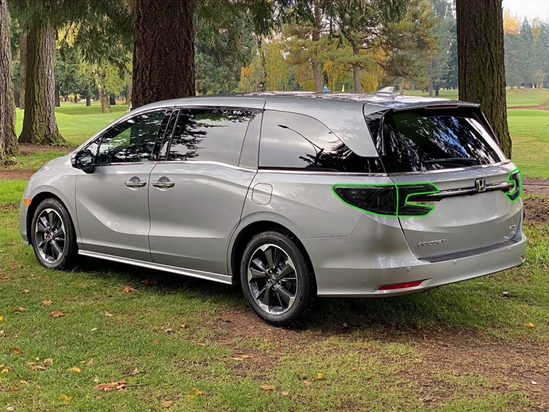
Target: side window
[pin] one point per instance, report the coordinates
(213, 135)
(295, 141)
(132, 140)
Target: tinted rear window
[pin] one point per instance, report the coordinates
(425, 139)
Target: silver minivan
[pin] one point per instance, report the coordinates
(293, 195)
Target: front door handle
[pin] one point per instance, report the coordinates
(163, 183)
(135, 183)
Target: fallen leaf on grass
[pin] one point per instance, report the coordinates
(307, 383)
(64, 397)
(267, 387)
(1, 332)
(241, 357)
(530, 325)
(4, 277)
(534, 383)
(94, 329)
(74, 369)
(1, 318)
(48, 361)
(320, 376)
(19, 309)
(183, 325)
(46, 302)
(14, 388)
(128, 289)
(168, 330)
(112, 386)
(285, 393)
(167, 404)
(57, 314)
(5, 370)
(16, 350)
(24, 291)
(38, 368)
(195, 392)
(109, 315)
(506, 293)
(136, 371)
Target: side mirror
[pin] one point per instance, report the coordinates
(84, 161)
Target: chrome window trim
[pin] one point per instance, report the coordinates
(457, 169)
(318, 172)
(203, 162)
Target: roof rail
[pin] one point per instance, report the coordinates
(386, 92)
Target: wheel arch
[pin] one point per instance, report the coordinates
(252, 229)
(36, 200)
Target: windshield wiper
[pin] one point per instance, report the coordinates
(458, 160)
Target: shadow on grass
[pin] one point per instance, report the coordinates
(473, 306)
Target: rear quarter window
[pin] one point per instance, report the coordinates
(295, 141)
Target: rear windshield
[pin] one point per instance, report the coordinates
(434, 139)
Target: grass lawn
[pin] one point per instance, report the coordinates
(77, 122)
(174, 343)
(530, 136)
(515, 97)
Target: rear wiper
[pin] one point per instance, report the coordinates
(466, 160)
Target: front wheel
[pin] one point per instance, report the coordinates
(52, 235)
(276, 278)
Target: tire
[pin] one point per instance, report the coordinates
(276, 278)
(52, 235)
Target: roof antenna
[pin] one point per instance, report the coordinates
(386, 92)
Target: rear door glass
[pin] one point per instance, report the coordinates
(214, 135)
(434, 139)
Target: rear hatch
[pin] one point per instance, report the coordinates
(457, 194)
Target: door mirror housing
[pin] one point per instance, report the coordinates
(83, 160)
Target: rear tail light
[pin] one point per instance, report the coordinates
(395, 200)
(515, 177)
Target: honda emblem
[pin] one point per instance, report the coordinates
(480, 184)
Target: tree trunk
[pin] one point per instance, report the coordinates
(56, 96)
(112, 100)
(129, 94)
(261, 82)
(317, 24)
(356, 74)
(8, 140)
(104, 99)
(22, 69)
(39, 124)
(481, 67)
(431, 80)
(163, 58)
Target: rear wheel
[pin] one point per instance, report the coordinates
(276, 278)
(52, 235)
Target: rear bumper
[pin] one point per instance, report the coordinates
(348, 279)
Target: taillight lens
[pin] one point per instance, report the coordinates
(395, 200)
(515, 177)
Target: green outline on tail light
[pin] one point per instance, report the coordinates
(397, 196)
(512, 195)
